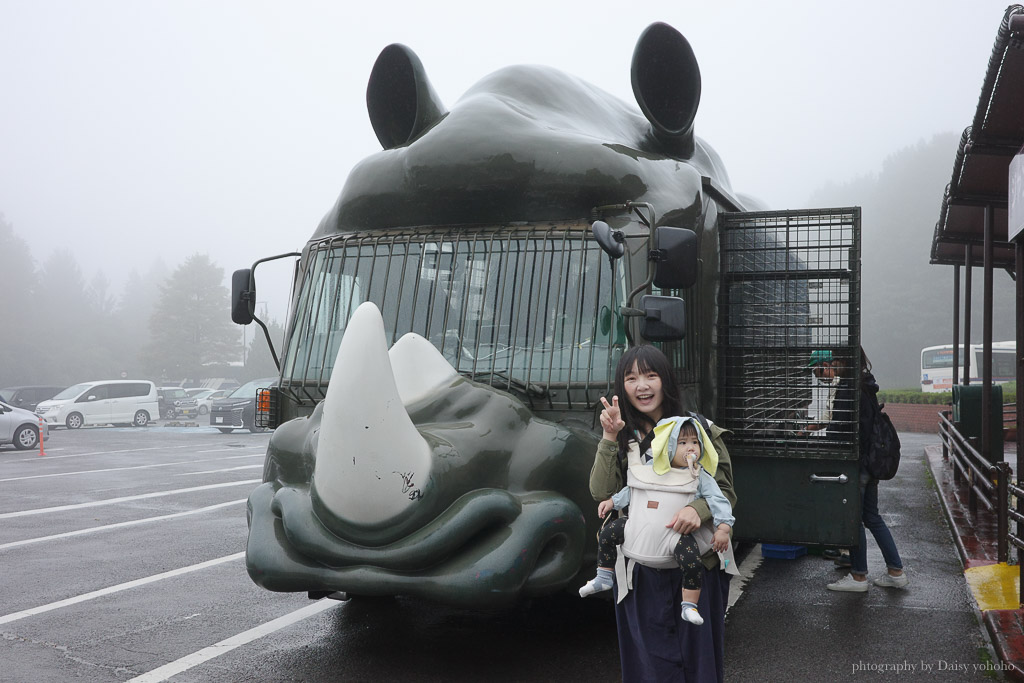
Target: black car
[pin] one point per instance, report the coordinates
(28, 398)
(237, 410)
(176, 404)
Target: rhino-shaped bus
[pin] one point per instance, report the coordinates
(458, 314)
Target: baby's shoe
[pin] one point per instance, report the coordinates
(691, 614)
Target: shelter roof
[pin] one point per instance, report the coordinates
(981, 168)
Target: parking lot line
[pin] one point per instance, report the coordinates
(132, 467)
(82, 455)
(118, 525)
(239, 448)
(187, 662)
(124, 499)
(15, 616)
(227, 469)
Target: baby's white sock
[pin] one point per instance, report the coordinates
(602, 582)
(691, 614)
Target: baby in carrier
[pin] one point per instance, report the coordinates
(678, 468)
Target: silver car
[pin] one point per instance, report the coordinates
(20, 427)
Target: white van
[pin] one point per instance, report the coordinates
(123, 401)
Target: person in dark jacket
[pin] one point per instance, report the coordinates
(838, 423)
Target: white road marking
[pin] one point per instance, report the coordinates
(747, 568)
(81, 455)
(223, 647)
(15, 616)
(125, 499)
(229, 469)
(118, 525)
(133, 467)
(240, 448)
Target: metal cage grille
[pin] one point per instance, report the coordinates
(528, 309)
(790, 292)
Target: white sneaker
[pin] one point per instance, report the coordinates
(691, 615)
(890, 581)
(848, 584)
(595, 585)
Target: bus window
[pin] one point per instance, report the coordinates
(937, 365)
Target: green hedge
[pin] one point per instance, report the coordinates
(938, 398)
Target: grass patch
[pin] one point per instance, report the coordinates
(935, 398)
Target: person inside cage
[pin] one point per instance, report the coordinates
(678, 469)
(837, 419)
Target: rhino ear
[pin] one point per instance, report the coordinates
(399, 97)
(666, 84)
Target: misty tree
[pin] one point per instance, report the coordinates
(85, 339)
(191, 322)
(19, 310)
(99, 296)
(907, 303)
(135, 306)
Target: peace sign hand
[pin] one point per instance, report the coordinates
(611, 418)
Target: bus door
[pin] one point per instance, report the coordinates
(789, 304)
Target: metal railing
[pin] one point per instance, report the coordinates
(527, 309)
(989, 483)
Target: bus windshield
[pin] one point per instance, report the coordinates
(518, 308)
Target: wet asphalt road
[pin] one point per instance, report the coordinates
(141, 595)
(787, 626)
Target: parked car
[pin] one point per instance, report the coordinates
(175, 403)
(238, 409)
(20, 427)
(126, 402)
(28, 397)
(206, 397)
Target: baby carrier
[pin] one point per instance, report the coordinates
(654, 501)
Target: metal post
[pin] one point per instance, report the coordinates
(972, 493)
(1002, 518)
(986, 341)
(967, 314)
(956, 325)
(1019, 282)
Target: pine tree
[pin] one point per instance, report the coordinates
(191, 323)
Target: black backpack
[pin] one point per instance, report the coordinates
(880, 444)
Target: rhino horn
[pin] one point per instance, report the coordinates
(372, 465)
(420, 369)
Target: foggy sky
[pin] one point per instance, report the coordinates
(137, 130)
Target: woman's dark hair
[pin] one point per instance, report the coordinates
(647, 358)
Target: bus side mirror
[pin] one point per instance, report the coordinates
(664, 318)
(675, 258)
(243, 294)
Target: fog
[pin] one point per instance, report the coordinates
(135, 131)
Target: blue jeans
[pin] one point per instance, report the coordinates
(870, 519)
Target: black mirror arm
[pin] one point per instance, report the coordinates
(650, 221)
(250, 297)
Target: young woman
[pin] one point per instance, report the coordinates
(827, 368)
(655, 644)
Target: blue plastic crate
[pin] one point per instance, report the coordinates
(782, 552)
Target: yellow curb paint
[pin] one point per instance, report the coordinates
(995, 586)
